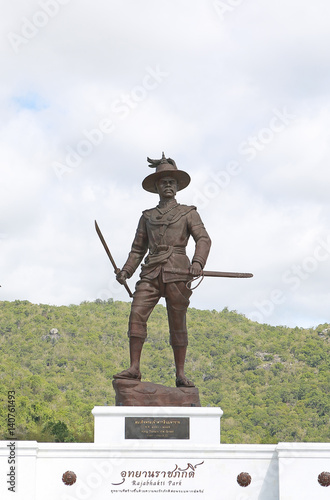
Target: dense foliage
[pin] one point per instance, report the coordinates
(273, 383)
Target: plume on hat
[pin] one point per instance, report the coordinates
(155, 163)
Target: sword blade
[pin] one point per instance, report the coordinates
(106, 248)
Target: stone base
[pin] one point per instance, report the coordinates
(137, 393)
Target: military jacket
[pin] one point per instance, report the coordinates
(165, 232)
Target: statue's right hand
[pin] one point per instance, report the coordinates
(122, 276)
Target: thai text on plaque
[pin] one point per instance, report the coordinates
(156, 428)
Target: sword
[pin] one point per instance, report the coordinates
(116, 269)
(216, 274)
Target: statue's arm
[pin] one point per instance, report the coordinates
(202, 240)
(138, 250)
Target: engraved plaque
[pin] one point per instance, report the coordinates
(156, 428)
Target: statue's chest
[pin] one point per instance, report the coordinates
(169, 227)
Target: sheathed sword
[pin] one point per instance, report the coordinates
(116, 269)
(216, 274)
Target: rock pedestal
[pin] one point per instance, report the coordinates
(137, 393)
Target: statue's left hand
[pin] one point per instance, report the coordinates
(195, 269)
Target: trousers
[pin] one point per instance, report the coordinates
(146, 296)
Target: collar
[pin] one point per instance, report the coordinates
(164, 207)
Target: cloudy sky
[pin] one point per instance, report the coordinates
(236, 91)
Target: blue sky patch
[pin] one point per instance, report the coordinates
(32, 101)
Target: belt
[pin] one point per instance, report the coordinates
(179, 250)
(164, 248)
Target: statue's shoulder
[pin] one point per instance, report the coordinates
(181, 211)
(185, 209)
(149, 212)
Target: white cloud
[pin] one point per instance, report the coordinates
(224, 79)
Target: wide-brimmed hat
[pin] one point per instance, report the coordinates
(165, 167)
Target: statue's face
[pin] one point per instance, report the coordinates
(167, 187)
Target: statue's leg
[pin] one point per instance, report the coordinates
(145, 298)
(135, 349)
(177, 302)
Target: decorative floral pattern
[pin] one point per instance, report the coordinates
(324, 479)
(69, 478)
(244, 479)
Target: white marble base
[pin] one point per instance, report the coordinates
(299, 467)
(199, 467)
(109, 426)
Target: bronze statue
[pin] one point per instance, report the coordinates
(164, 231)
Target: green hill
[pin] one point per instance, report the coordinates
(273, 383)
